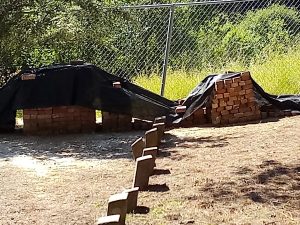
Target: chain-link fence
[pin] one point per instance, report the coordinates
(210, 36)
(189, 38)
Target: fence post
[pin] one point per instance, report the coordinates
(167, 50)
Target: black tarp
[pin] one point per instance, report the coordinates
(199, 97)
(83, 85)
(87, 85)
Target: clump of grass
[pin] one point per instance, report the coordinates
(278, 75)
(178, 83)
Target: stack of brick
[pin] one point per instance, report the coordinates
(233, 101)
(198, 117)
(271, 111)
(57, 120)
(116, 122)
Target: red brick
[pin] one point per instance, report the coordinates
(26, 117)
(243, 119)
(233, 98)
(233, 120)
(227, 82)
(248, 82)
(251, 99)
(199, 112)
(236, 79)
(33, 116)
(215, 113)
(214, 106)
(242, 92)
(234, 85)
(222, 104)
(234, 111)
(238, 89)
(221, 91)
(57, 110)
(250, 95)
(213, 110)
(244, 109)
(248, 114)
(248, 86)
(46, 116)
(219, 85)
(215, 101)
(238, 115)
(219, 96)
(226, 95)
(234, 94)
(230, 103)
(220, 109)
(216, 121)
(230, 90)
(249, 104)
(244, 101)
(242, 83)
(224, 112)
(248, 91)
(245, 76)
(237, 102)
(224, 121)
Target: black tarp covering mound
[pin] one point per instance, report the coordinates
(83, 85)
(199, 97)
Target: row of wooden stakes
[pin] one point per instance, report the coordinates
(145, 151)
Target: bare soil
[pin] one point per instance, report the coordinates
(246, 174)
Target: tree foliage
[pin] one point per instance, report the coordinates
(36, 33)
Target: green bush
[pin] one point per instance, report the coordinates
(261, 33)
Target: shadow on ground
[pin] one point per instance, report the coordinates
(79, 146)
(171, 141)
(271, 183)
(141, 210)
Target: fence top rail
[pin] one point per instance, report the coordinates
(184, 4)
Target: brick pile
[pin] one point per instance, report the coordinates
(199, 117)
(116, 122)
(270, 111)
(57, 120)
(233, 101)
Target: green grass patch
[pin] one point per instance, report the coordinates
(278, 75)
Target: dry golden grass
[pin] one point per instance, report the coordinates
(248, 174)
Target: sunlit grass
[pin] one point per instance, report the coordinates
(278, 75)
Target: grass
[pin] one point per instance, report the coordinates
(278, 75)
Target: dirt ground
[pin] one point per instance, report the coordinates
(247, 174)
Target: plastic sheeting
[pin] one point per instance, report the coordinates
(199, 97)
(83, 85)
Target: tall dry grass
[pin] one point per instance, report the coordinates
(278, 75)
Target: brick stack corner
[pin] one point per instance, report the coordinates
(114, 122)
(233, 101)
(59, 120)
(198, 117)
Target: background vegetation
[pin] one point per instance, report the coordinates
(262, 36)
